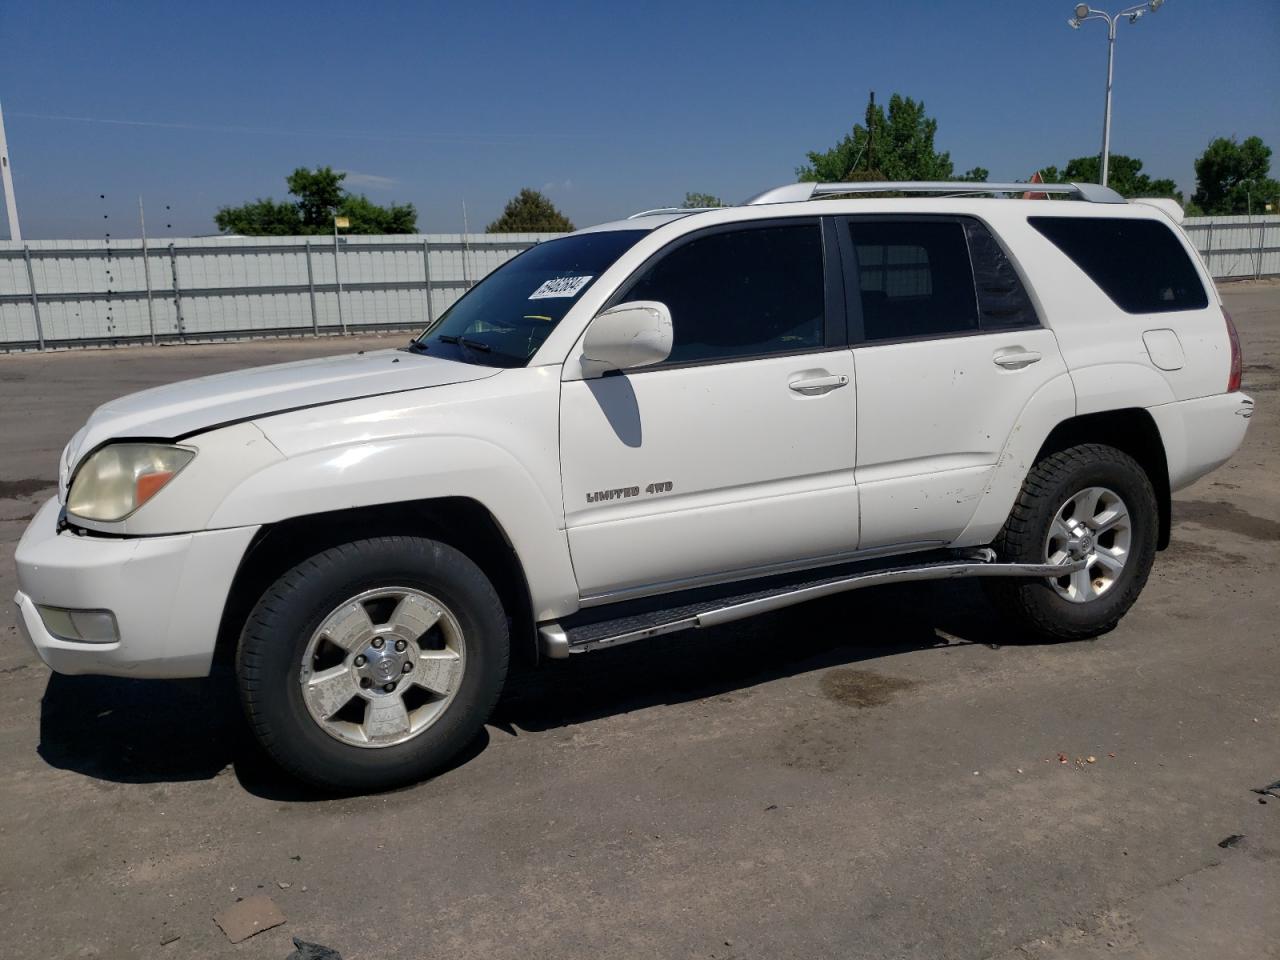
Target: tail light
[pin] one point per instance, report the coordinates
(1237, 358)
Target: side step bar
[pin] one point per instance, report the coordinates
(558, 641)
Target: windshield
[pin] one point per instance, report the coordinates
(504, 318)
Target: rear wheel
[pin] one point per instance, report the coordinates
(1090, 502)
(373, 663)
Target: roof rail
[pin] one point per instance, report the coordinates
(799, 192)
(1167, 205)
(661, 211)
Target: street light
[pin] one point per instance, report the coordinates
(1134, 14)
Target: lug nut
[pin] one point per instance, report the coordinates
(400, 645)
(378, 642)
(365, 683)
(407, 668)
(388, 687)
(360, 660)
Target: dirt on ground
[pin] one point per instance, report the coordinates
(886, 774)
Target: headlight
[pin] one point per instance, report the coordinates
(121, 477)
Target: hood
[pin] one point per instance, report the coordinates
(191, 406)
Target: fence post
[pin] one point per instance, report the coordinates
(1262, 232)
(177, 293)
(146, 271)
(337, 277)
(426, 280)
(35, 300)
(311, 289)
(1208, 253)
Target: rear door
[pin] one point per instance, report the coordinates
(736, 455)
(948, 349)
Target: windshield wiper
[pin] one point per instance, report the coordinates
(466, 342)
(416, 346)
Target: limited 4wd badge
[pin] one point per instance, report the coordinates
(623, 493)
(560, 287)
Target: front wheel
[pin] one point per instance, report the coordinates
(372, 664)
(1090, 502)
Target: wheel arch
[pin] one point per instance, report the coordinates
(1131, 430)
(461, 522)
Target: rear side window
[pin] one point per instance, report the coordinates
(1003, 303)
(914, 278)
(1139, 264)
(741, 293)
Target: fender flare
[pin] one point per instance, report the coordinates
(1090, 390)
(397, 470)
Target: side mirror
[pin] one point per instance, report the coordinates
(635, 334)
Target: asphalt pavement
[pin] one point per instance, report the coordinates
(886, 774)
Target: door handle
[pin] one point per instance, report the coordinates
(816, 386)
(1016, 359)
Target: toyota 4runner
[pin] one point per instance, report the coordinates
(667, 422)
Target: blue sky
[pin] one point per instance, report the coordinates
(608, 108)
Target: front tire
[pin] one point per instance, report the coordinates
(374, 663)
(1091, 502)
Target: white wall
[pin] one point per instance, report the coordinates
(95, 291)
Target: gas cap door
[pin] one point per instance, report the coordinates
(1164, 348)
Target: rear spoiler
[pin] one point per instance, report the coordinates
(1166, 205)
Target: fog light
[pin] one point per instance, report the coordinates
(80, 626)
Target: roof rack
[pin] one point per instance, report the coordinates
(799, 192)
(661, 211)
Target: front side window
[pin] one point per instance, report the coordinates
(914, 278)
(740, 293)
(504, 319)
(1139, 264)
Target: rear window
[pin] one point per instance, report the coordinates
(1139, 264)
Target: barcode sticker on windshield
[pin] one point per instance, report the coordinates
(560, 287)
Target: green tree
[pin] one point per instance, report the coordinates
(261, 218)
(320, 197)
(530, 212)
(319, 193)
(897, 145)
(367, 217)
(692, 200)
(976, 175)
(1231, 177)
(1124, 176)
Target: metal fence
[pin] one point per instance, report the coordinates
(1237, 247)
(58, 293)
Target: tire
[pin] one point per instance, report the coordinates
(1057, 518)
(330, 648)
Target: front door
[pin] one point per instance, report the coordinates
(736, 455)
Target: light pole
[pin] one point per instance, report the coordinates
(1085, 12)
(6, 184)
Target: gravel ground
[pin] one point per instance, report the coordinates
(875, 776)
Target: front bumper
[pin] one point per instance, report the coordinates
(167, 594)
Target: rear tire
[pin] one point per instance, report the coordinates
(374, 663)
(1089, 501)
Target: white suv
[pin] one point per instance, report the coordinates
(667, 422)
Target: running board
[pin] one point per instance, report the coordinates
(559, 641)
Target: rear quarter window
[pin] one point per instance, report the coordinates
(1139, 264)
